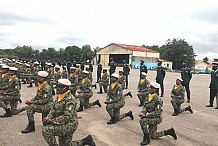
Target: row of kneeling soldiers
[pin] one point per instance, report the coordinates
(60, 116)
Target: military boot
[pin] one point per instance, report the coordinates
(189, 109)
(80, 108)
(97, 103)
(141, 104)
(88, 140)
(170, 132)
(128, 94)
(7, 114)
(175, 112)
(30, 85)
(146, 139)
(94, 86)
(53, 92)
(112, 120)
(30, 128)
(129, 114)
(99, 92)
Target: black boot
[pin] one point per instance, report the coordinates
(189, 109)
(175, 112)
(170, 132)
(7, 114)
(141, 104)
(210, 105)
(80, 108)
(20, 100)
(129, 114)
(30, 128)
(129, 93)
(30, 85)
(100, 92)
(94, 86)
(88, 140)
(112, 121)
(97, 103)
(146, 139)
(53, 92)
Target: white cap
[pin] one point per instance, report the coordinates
(27, 64)
(5, 67)
(49, 64)
(144, 74)
(155, 85)
(57, 66)
(36, 62)
(178, 78)
(13, 68)
(43, 74)
(115, 76)
(2, 64)
(72, 68)
(65, 82)
(85, 72)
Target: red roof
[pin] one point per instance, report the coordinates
(134, 48)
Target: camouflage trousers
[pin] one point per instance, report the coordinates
(105, 87)
(64, 133)
(84, 99)
(31, 109)
(4, 103)
(113, 110)
(177, 105)
(149, 125)
(142, 96)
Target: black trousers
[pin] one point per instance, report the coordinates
(162, 88)
(98, 77)
(213, 93)
(187, 89)
(127, 81)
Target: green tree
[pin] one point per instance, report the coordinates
(73, 53)
(178, 51)
(87, 53)
(24, 52)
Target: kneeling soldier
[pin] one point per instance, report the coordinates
(62, 119)
(104, 82)
(151, 116)
(41, 103)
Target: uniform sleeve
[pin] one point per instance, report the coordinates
(118, 96)
(158, 110)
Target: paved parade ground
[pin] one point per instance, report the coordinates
(197, 129)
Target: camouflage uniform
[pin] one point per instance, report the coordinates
(28, 71)
(57, 76)
(63, 123)
(50, 77)
(86, 88)
(4, 79)
(143, 87)
(121, 81)
(74, 83)
(153, 111)
(104, 82)
(64, 74)
(117, 101)
(79, 75)
(41, 103)
(36, 69)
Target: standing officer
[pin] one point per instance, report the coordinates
(112, 68)
(85, 93)
(99, 70)
(213, 85)
(126, 71)
(143, 88)
(160, 77)
(62, 119)
(41, 103)
(150, 117)
(115, 101)
(177, 95)
(186, 77)
(104, 82)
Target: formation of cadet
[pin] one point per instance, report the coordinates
(186, 76)
(160, 77)
(213, 85)
(178, 97)
(115, 101)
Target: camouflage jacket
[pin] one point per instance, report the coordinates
(74, 81)
(35, 70)
(64, 74)
(64, 111)
(178, 92)
(50, 72)
(144, 86)
(57, 76)
(86, 87)
(43, 95)
(115, 95)
(153, 108)
(121, 81)
(4, 82)
(14, 87)
(105, 79)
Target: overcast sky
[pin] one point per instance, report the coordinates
(60, 23)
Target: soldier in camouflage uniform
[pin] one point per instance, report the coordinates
(41, 103)
(104, 82)
(50, 71)
(115, 101)
(150, 116)
(12, 94)
(64, 73)
(85, 93)
(74, 80)
(90, 76)
(143, 87)
(35, 70)
(57, 74)
(79, 73)
(121, 81)
(62, 119)
(27, 71)
(178, 97)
